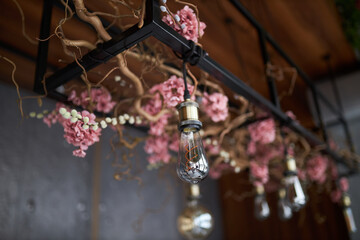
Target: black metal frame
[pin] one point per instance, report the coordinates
(155, 27)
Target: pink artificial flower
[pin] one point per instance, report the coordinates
(344, 184)
(55, 116)
(265, 153)
(263, 131)
(316, 168)
(158, 128)
(174, 143)
(215, 106)
(76, 135)
(100, 97)
(259, 171)
(74, 99)
(251, 148)
(188, 25)
(336, 195)
(211, 148)
(79, 153)
(154, 105)
(157, 147)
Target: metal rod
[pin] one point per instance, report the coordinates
(336, 92)
(41, 62)
(270, 80)
(268, 37)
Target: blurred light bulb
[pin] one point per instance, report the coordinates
(195, 222)
(192, 164)
(261, 207)
(295, 195)
(284, 210)
(349, 218)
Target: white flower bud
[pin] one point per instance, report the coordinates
(164, 1)
(132, 120)
(163, 8)
(74, 113)
(177, 18)
(40, 115)
(95, 127)
(117, 78)
(122, 121)
(108, 120)
(183, 26)
(73, 119)
(79, 116)
(237, 169)
(121, 118)
(126, 116)
(201, 132)
(103, 124)
(32, 114)
(114, 121)
(233, 163)
(85, 126)
(62, 111)
(66, 115)
(215, 142)
(45, 112)
(86, 120)
(138, 120)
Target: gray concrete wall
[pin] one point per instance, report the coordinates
(46, 193)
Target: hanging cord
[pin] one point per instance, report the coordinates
(186, 91)
(193, 59)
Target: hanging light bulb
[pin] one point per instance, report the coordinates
(284, 210)
(261, 207)
(295, 195)
(195, 222)
(349, 218)
(192, 164)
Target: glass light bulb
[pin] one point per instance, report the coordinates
(192, 164)
(284, 210)
(195, 222)
(295, 195)
(349, 219)
(262, 210)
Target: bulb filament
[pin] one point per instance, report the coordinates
(188, 160)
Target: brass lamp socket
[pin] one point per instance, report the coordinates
(346, 202)
(282, 193)
(290, 163)
(189, 115)
(259, 190)
(194, 191)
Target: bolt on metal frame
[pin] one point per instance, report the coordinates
(155, 27)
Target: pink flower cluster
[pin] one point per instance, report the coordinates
(172, 92)
(263, 131)
(76, 135)
(260, 172)
(156, 146)
(55, 116)
(188, 25)
(100, 97)
(316, 168)
(215, 106)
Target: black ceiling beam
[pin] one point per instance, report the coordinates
(42, 56)
(153, 26)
